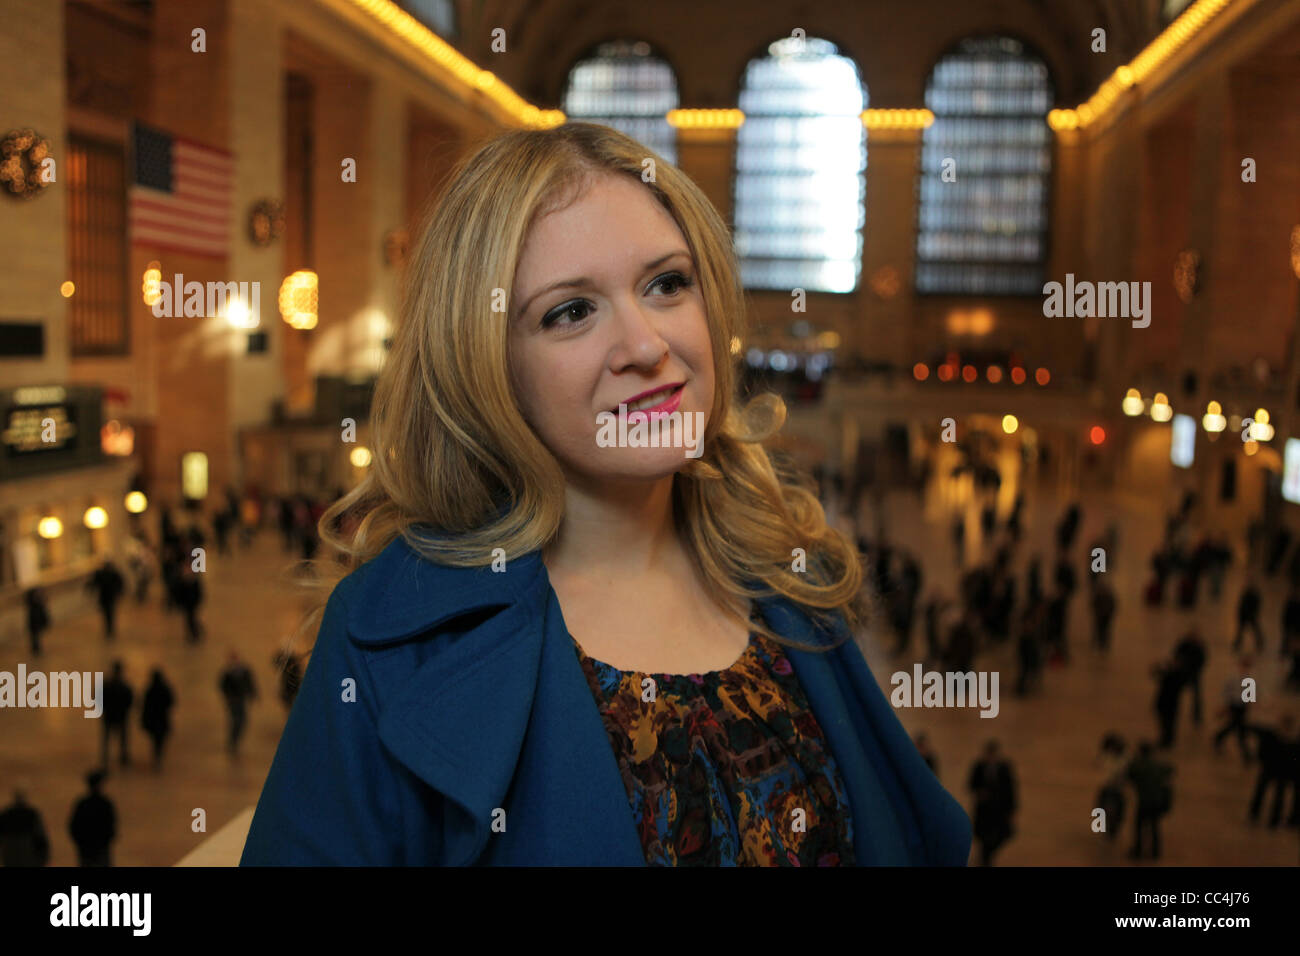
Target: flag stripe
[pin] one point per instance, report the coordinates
(162, 224)
(163, 211)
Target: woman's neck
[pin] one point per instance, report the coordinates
(624, 531)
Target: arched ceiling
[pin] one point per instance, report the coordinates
(708, 42)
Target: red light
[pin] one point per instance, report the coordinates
(995, 374)
(1098, 434)
(968, 373)
(920, 371)
(1042, 376)
(1018, 375)
(945, 373)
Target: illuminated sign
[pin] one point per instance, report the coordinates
(1291, 471)
(35, 428)
(1182, 444)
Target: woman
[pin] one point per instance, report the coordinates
(559, 647)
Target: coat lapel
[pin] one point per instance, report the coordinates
(877, 833)
(498, 715)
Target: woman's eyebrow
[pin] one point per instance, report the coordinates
(584, 281)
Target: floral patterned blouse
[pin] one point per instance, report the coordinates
(717, 765)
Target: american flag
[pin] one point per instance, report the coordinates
(180, 194)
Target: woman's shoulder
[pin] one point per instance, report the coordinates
(401, 592)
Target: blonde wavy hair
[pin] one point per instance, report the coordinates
(453, 454)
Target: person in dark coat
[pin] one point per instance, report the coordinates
(1151, 779)
(1103, 611)
(1112, 797)
(1169, 691)
(1248, 616)
(1068, 527)
(38, 618)
(1277, 771)
(189, 595)
(221, 522)
(1029, 646)
(23, 841)
(93, 824)
(1281, 543)
(118, 698)
(155, 714)
(994, 784)
(108, 585)
(1066, 580)
(1235, 711)
(960, 652)
(237, 689)
(1190, 655)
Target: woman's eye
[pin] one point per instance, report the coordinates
(675, 280)
(566, 311)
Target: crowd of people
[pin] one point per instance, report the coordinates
(992, 606)
(180, 561)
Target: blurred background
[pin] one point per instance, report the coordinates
(1100, 508)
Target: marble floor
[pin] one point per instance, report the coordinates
(1052, 738)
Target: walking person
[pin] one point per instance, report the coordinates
(1277, 757)
(1248, 616)
(1235, 710)
(1190, 656)
(1103, 612)
(93, 825)
(994, 785)
(1169, 691)
(237, 689)
(1111, 797)
(903, 606)
(189, 595)
(1029, 646)
(118, 697)
(38, 618)
(155, 714)
(108, 585)
(23, 841)
(1151, 779)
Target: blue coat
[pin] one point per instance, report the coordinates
(469, 697)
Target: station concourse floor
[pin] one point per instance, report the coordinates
(1052, 737)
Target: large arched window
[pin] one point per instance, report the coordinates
(985, 171)
(800, 155)
(622, 85)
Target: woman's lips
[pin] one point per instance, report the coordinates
(666, 407)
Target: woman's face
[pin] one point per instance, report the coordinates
(606, 307)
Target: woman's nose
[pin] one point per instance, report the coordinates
(639, 342)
